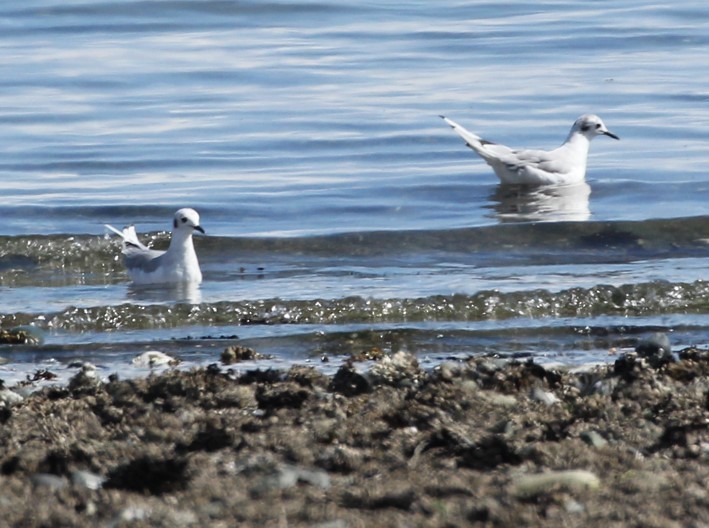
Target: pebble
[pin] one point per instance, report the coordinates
(539, 484)
(154, 358)
(654, 344)
(87, 377)
(497, 398)
(401, 368)
(128, 515)
(337, 523)
(491, 366)
(235, 354)
(656, 348)
(545, 397)
(574, 507)
(9, 398)
(447, 370)
(183, 518)
(290, 475)
(86, 479)
(314, 477)
(22, 335)
(349, 382)
(48, 480)
(286, 476)
(604, 387)
(593, 438)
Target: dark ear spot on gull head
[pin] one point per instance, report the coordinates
(591, 125)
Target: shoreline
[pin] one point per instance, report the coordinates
(484, 442)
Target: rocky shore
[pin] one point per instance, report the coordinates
(483, 442)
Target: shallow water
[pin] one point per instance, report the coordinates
(341, 212)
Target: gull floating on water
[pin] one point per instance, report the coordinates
(178, 264)
(563, 165)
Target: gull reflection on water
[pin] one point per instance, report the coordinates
(542, 204)
(189, 293)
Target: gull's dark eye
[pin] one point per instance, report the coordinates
(598, 125)
(184, 220)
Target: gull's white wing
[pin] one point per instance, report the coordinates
(142, 260)
(540, 166)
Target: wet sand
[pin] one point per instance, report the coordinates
(483, 442)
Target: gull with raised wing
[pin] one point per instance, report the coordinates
(564, 165)
(178, 264)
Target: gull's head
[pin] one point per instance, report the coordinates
(186, 221)
(590, 125)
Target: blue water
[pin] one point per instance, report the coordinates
(289, 125)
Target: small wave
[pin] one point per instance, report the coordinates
(652, 298)
(561, 242)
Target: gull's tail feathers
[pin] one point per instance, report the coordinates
(129, 236)
(472, 140)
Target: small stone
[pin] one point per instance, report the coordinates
(629, 366)
(470, 386)
(47, 480)
(22, 335)
(572, 480)
(340, 458)
(371, 354)
(129, 514)
(154, 358)
(496, 398)
(86, 378)
(324, 429)
(656, 348)
(490, 366)
(9, 397)
(286, 476)
(91, 509)
(445, 371)
(337, 523)
(593, 438)
(401, 499)
(574, 507)
(235, 354)
(349, 382)
(694, 354)
(86, 479)
(606, 387)
(314, 477)
(545, 397)
(655, 344)
(183, 518)
(399, 369)
(307, 376)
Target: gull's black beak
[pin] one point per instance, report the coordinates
(200, 229)
(611, 134)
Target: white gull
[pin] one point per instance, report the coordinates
(563, 165)
(178, 264)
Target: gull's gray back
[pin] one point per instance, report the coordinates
(142, 260)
